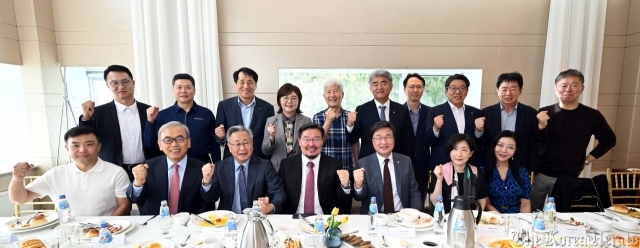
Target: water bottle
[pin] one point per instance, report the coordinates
(373, 220)
(538, 222)
(231, 232)
(438, 214)
(460, 233)
(166, 220)
(256, 206)
(319, 231)
(64, 211)
(550, 214)
(104, 236)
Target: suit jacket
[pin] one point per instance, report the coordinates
(373, 183)
(105, 121)
(330, 192)
(526, 127)
(421, 153)
(156, 189)
(278, 150)
(449, 128)
(229, 115)
(262, 180)
(368, 114)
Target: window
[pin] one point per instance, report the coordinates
(14, 112)
(86, 83)
(356, 86)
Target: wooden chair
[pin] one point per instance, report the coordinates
(531, 178)
(625, 185)
(42, 206)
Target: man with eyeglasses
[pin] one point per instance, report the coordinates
(176, 177)
(452, 117)
(243, 178)
(120, 124)
(387, 175)
(314, 183)
(185, 110)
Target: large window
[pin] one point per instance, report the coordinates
(86, 83)
(14, 113)
(356, 86)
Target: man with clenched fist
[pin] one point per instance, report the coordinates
(119, 123)
(315, 183)
(176, 177)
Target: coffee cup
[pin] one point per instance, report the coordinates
(212, 243)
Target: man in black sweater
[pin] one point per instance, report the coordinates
(564, 132)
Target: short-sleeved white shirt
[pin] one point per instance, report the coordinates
(91, 193)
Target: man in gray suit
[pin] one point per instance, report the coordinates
(386, 175)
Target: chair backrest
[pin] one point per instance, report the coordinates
(42, 206)
(531, 178)
(626, 186)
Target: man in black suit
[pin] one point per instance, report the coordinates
(381, 108)
(414, 88)
(243, 178)
(309, 179)
(120, 123)
(509, 114)
(246, 109)
(179, 179)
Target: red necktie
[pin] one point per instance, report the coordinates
(387, 190)
(308, 191)
(174, 190)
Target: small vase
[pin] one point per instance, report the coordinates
(333, 237)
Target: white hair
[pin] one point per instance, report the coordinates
(332, 82)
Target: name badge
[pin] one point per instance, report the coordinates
(209, 231)
(402, 232)
(571, 231)
(491, 230)
(7, 238)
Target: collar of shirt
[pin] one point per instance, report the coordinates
(246, 164)
(121, 107)
(177, 108)
(411, 110)
(514, 108)
(182, 164)
(454, 108)
(381, 160)
(253, 102)
(99, 167)
(315, 161)
(378, 104)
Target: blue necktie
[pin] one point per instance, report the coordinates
(242, 188)
(382, 116)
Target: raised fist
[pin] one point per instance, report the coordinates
(207, 172)
(87, 110)
(263, 203)
(344, 177)
(480, 124)
(330, 115)
(152, 113)
(21, 170)
(438, 171)
(220, 132)
(543, 119)
(438, 121)
(358, 178)
(271, 129)
(139, 174)
(351, 118)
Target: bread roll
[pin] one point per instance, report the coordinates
(92, 233)
(621, 209)
(33, 243)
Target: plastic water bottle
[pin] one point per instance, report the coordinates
(460, 233)
(550, 214)
(373, 220)
(64, 211)
(166, 220)
(438, 214)
(319, 231)
(256, 206)
(231, 232)
(104, 236)
(538, 222)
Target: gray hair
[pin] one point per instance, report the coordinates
(239, 128)
(380, 73)
(570, 73)
(332, 82)
(172, 124)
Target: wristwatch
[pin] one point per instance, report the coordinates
(586, 162)
(206, 184)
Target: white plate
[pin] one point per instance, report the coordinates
(610, 239)
(566, 217)
(487, 216)
(616, 226)
(346, 227)
(485, 241)
(610, 210)
(19, 243)
(51, 217)
(206, 215)
(129, 227)
(197, 227)
(299, 237)
(391, 242)
(165, 243)
(406, 223)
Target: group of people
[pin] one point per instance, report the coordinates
(128, 152)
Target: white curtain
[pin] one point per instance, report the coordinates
(574, 40)
(176, 36)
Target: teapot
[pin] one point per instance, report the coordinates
(461, 222)
(254, 234)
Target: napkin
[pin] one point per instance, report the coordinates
(7, 238)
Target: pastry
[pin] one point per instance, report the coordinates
(32, 243)
(38, 220)
(621, 209)
(92, 233)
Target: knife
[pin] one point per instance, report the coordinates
(305, 220)
(203, 219)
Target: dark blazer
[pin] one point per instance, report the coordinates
(449, 128)
(526, 127)
(105, 121)
(330, 192)
(368, 114)
(229, 115)
(373, 182)
(262, 180)
(421, 152)
(156, 188)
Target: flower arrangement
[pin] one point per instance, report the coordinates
(333, 219)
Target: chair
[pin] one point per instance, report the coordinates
(42, 206)
(531, 178)
(625, 186)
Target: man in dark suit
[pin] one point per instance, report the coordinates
(381, 108)
(243, 178)
(120, 123)
(414, 88)
(386, 175)
(314, 183)
(509, 114)
(246, 109)
(179, 179)
(452, 117)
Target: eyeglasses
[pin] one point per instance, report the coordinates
(286, 98)
(169, 140)
(243, 144)
(385, 138)
(418, 87)
(461, 88)
(124, 83)
(315, 140)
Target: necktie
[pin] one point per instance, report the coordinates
(242, 188)
(174, 190)
(308, 190)
(288, 134)
(382, 116)
(387, 190)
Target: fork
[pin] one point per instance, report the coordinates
(185, 241)
(384, 242)
(32, 216)
(145, 223)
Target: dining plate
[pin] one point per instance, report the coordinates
(489, 218)
(621, 241)
(566, 219)
(412, 224)
(129, 226)
(19, 242)
(635, 215)
(391, 242)
(164, 243)
(486, 241)
(218, 217)
(196, 225)
(51, 218)
(616, 226)
(345, 227)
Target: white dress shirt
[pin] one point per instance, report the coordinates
(130, 133)
(458, 114)
(182, 166)
(386, 112)
(396, 198)
(317, 209)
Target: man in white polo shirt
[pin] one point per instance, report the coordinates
(93, 187)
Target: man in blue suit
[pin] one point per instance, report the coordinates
(452, 117)
(246, 109)
(243, 178)
(509, 114)
(386, 175)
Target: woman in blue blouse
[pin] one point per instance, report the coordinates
(508, 184)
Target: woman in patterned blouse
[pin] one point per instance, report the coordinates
(508, 184)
